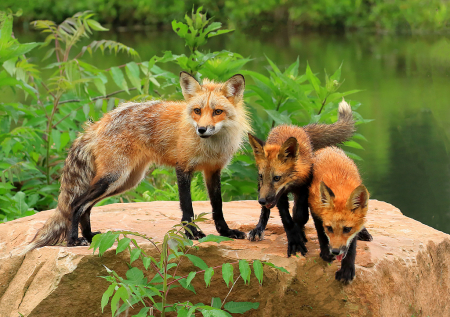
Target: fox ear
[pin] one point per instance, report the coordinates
(289, 149)
(326, 195)
(233, 88)
(359, 198)
(189, 85)
(257, 145)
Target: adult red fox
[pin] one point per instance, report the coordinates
(338, 203)
(284, 163)
(199, 134)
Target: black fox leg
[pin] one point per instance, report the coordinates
(184, 191)
(212, 179)
(300, 210)
(364, 235)
(325, 253)
(258, 232)
(293, 231)
(85, 224)
(83, 204)
(347, 272)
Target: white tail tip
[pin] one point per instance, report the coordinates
(344, 107)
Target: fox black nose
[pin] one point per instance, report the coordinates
(201, 130)
(262, 201)
(335, 251)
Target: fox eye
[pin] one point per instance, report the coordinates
(276, 178)
(347, 229)
(217, 112)
(260, 176)
(197, 111)
(330, 229)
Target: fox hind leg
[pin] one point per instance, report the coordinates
(300, 211)
(364, 235)
(85, 224)
(81, 210)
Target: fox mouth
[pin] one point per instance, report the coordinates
(269, 205)
(204, 136)
(341, 256)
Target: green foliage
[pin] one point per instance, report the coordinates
(152, 286)
(376, 14)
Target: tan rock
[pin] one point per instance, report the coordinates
(403, 272)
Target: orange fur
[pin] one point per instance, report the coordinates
(348, 207)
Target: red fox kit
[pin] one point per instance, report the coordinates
(284, 163)
(338, 203)
(199, 134)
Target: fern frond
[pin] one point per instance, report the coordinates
(108, 45)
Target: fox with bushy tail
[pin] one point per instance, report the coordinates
(201, 133)
(285, 163)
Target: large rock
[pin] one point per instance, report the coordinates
(404, 271)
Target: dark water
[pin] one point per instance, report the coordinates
(406, 87)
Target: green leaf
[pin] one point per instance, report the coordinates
(191, 275)
(121, 293)
(134, 254)
(133, 73)
(214, 238)
(258, 269)
(64, 139)
(209, 272)
(123, 244)
(197, 261)
(118, 78)
(135, 275)
(240, 307)
(227, 273)
(106, 295)
(142, 313)
(19, 198)
(96, 26)
(216, 302)
(103, 241)
(146, 261)
(282, 269)
(244, 269)
(337, 74)
(353, 144)
(313, 79)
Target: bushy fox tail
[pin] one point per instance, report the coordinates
(77, 174)
(323, 135)
(53, 231)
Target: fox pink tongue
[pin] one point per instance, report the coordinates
(339, 257)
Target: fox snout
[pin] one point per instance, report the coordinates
(206, 131)
(267, 202)
(339, 253)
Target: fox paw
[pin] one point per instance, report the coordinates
(256, 234)
(296, 244)
(78, 242)
(91, 235)
(327, 256)
(196, 233)
(364, 235)
(233, 234)
(346, 274)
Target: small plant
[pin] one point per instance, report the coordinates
(152, 286)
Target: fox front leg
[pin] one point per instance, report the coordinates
(347, 272)
(325, 253)
(212, 179)
(296, 242)
(258, 232)
(184, 191)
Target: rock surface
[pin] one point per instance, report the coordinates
(404, 271)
